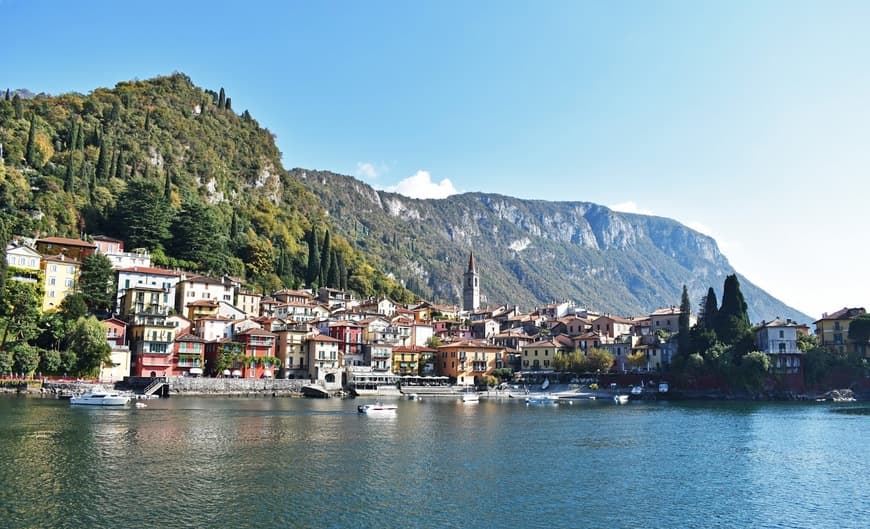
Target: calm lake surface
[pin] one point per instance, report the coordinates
(242, 463)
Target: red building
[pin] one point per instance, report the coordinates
(189, 355)
(258, 344)
(349, 336)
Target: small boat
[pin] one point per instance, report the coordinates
(542, 400)
(413, 396)
(620, 399)
(637, 390)
(376, 408)
(469, 397)
(141, 405)
(100, 397)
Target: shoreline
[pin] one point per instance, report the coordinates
(284, 388)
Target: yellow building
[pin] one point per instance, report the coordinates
(833, 330)
(466, 361)
(60, 274)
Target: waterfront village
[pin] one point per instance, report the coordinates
(171, 324)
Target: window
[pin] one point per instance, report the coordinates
(836, 326)
(781, 333)
(126, 283)
(20, 260)
(69, 282)
(51, 280)
(782, 347)
(54, 268)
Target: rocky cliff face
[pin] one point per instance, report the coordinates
(532, 252)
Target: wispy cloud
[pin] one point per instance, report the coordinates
(420, 185)
(630, 206)
(367, 170)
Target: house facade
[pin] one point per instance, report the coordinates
(833, 330)
(778, 340)
(466, 361)
(59, 277)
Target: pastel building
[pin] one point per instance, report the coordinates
(465, 361)
(60, 274)
(24, 264)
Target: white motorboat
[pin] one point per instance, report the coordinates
(377, 408)
(542, 400)
(470, 397)
(100, 397)
(620, 399)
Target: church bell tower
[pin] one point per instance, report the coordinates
(471, 287)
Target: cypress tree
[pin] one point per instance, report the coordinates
(684, 320)
(342, 272)
(16, 104)
(332, 278)
(229, 104)
(8, 95)
(113, 161)
(711, 310)
(4, 238)
(313, 269)
(234, 226)
(148, 119)
(732, 322)
(222, 98)
(103, 162)
(68, 184)
(167, 187)
(30, 153)
(324, 258)
(119, 165)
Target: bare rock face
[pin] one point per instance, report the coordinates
(531, 252)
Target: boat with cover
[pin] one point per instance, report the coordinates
(377, 408)
(470, 396)
(620, 399)
(100, 397)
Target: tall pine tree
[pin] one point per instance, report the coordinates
(313, 270)
(222, 98)
(30, 153)
(732, 322)
(103, 162)
(325, 253)
(683, 340)
(710, 311)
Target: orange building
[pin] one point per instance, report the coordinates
(466, 361)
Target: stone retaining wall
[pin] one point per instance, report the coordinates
(235, 386)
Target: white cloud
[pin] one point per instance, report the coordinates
(367, 170)
(420, 185)
(630, 206)
(700, 227)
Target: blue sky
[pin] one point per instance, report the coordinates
(746, 120)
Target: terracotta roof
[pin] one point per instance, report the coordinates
(205, 279)
(413, 349)
(104, 238)
(149, 270)
(471, 344)
(203, 303)
(66, 242)
(843, 314)
(254, 331)
(188, 337)
(60, 258)
(323, 338)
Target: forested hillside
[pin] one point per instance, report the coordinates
(165, 165)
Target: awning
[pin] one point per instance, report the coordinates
(226, 372)
(267, 373)
(237, 373)
(195, 371)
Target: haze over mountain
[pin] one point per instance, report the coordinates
(531, 252)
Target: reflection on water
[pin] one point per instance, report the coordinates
(239, 463)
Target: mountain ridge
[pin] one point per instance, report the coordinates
(610, 261)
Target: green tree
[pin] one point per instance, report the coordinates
(68, 362)
(69, 182)
(73, 307)
(342, 272)
(5, 362)
(807, 342)
(598, 360)
(25, 358)
(333, 280)
(88, 340)
(103, 162)
(859, 332)
(197, 235)
(119, 165)
(142, 217)
(4, 240)
(30, 151)
(50, 362)
(710, 311)
(222, 98)
(260, 258)
(313, 270)
(325, 252)
(97, 283)
(733, 318)
(754, 368)
(167, 188)
(684, 340)
(638, 360)
(19, 313)
(17, 105)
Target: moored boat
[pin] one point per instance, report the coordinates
(376, 408)
(620, 399)
(100, 397)
(542, 400)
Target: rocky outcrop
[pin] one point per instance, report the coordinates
(532, 252)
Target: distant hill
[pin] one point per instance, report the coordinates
(532, 252)
(170, 166)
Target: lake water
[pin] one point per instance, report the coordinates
(244, 463)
